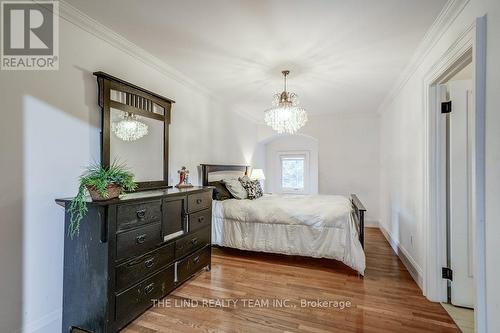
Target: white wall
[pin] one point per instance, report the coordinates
(492, 7)
(348, 155)
(287, 143)
(402, 147)
(50, 131)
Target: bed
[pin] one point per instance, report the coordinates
(320, 226)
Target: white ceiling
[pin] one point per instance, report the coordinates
(344, 56)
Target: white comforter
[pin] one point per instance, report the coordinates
(308, 225)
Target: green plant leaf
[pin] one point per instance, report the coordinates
(99, 178)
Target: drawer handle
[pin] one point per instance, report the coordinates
(149, 288)
(194, 241)
(141, 213)
(196, 259)
(199, 201)
(201, 219)
(140, 239)
(149, 263)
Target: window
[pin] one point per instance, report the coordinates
(293, 169)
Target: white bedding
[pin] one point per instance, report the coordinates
(309, 225)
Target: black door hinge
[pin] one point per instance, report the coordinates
(447, 273)
(446, 107)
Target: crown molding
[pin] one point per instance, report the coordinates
(76, 17)
(446, 17)
(99, 30)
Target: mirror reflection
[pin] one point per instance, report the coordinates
(137, 142)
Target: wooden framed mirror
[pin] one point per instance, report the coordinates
(134, 130)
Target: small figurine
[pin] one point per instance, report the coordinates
(183, 178)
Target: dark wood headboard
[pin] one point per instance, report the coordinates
(358, 208)
(208, 168)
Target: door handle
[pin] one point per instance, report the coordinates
(140, 239)
(141, 213)
(149, 263)
(149, 288)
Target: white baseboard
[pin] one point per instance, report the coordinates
(407, 260)
(48, 323)
(371, 224)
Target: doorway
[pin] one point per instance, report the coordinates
(458, 117)
(470, 47)
(458, 142)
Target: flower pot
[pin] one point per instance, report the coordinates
(113, 192)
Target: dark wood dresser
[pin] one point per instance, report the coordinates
(131, 251)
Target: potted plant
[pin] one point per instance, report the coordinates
(102, 183)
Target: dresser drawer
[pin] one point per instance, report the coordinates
(174, 222)
(192, 264)
(134, 215)
(191, 242)
(137, 241)
(135, 300)
(199, 201)
(200, 219)
(135, 270)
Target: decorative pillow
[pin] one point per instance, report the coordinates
(253, 188)
(235, 188)
(220, 191)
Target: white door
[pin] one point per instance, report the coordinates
(461, 189)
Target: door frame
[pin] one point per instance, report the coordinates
(470, 46)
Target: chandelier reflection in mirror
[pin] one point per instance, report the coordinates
(285, 116)
(129, 128)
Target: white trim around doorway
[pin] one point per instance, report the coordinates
(469, 47)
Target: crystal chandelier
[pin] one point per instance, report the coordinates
(285, 116)
(129, 128)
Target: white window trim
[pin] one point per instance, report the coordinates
(307, 174)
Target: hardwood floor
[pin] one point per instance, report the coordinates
(385, 300)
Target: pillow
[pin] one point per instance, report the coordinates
(235, 188)
(220, 191)
(253, 188)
